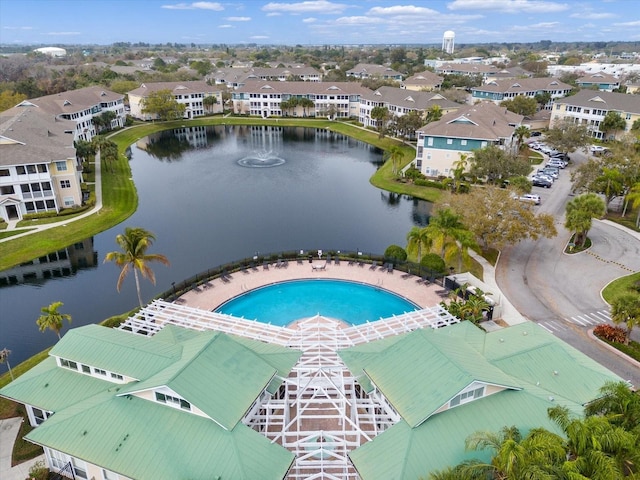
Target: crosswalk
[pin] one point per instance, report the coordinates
(586, 320)
(591, 319)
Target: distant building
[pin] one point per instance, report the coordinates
(191, 94)
(600, 80)
(81, 106)
(400, 102)
(448, 42)
(367, 70)
(422, 81)
(460, 132)
(52, 51)
(589, 108)
(499, 90)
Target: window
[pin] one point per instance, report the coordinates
(4, 172)
(61, 166)
(86, 369)
(31, 169)
(430, 141)
(173, 401)
(42, 168)
(117, 376)
(466, 397)
(65, 184)
(463, 142)
(99, 371)
(21, 170)
(68, 364)
(68, 201)
(449, 141)
(108, 475)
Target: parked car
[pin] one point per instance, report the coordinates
(556, 163)
(597, 149)
(535, 134)
(552, 174)
(530, 197)
(561, 156)
(536, 145)
(540, 181)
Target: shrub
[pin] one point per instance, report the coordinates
(39, 471)
(433, 262)
(395, 253)
(608, 332)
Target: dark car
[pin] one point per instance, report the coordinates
(541, 182)
(535, 134)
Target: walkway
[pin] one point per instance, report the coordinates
(9, 429)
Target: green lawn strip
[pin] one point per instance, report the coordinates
(632, 350)
(11, 233)
(620, 286)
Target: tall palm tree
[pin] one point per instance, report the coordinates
(4, 358)
(52, 319)
(395, 154)
(619, 404)
(133, 256)
(417, 238)
(634, 197)
(520, 133)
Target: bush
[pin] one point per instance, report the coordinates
(429, 183)
(395, 253)
(433, 262)
(38, 471)
(610, 333)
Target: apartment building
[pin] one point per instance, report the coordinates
(589, 108)
(39, 171)
(190, 94)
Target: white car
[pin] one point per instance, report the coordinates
(597, 149)
(530, 197)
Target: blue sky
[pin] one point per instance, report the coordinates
(315, 22)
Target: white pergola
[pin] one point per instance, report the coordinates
(320, 412)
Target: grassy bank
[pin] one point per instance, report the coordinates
(119, 194)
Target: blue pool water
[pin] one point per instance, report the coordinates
(285, 302)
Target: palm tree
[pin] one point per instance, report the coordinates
(580, 213)
(209, 102)
(596, 448)
(634, 197)
(4, 358)
(521, 132)
(417, 238)
(459, 166)
(626, 309)
(380, 115)
(619, 404)
(395, 154)
(133, 256)
(52, 319)
(306, 103)
(434, 114)
(445, 227)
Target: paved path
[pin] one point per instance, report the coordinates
(9, 429)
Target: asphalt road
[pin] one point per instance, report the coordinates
(561, 292)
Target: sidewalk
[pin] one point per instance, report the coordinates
(9, 429)
(11, 226)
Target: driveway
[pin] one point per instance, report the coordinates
(562, 292)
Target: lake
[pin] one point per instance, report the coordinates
(212, 195)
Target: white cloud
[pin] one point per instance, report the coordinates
(226, 26)
(274, 14)
(238, 19)
(312, 6)
(509, 6)
(309, 20)
(635, 23)
(17, 28)
(592, 15)
(402, 10)
(215, 6)
(357, 20)
(259, 37)
(535, 26)
(62, 33)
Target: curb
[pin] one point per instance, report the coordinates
(620, 354)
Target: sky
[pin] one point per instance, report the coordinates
(315, 22)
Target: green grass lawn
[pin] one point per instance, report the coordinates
(620, 286)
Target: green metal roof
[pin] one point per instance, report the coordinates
(117, 351)
(405, 453)
(144, 440)
(52, 388)
(524, 352)
(217, 374)
(422, 371)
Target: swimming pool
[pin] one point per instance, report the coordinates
(284, 302)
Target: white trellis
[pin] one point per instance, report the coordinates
(320, 412)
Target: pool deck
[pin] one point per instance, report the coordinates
(216, 292)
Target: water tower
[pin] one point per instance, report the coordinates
(448, 41)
